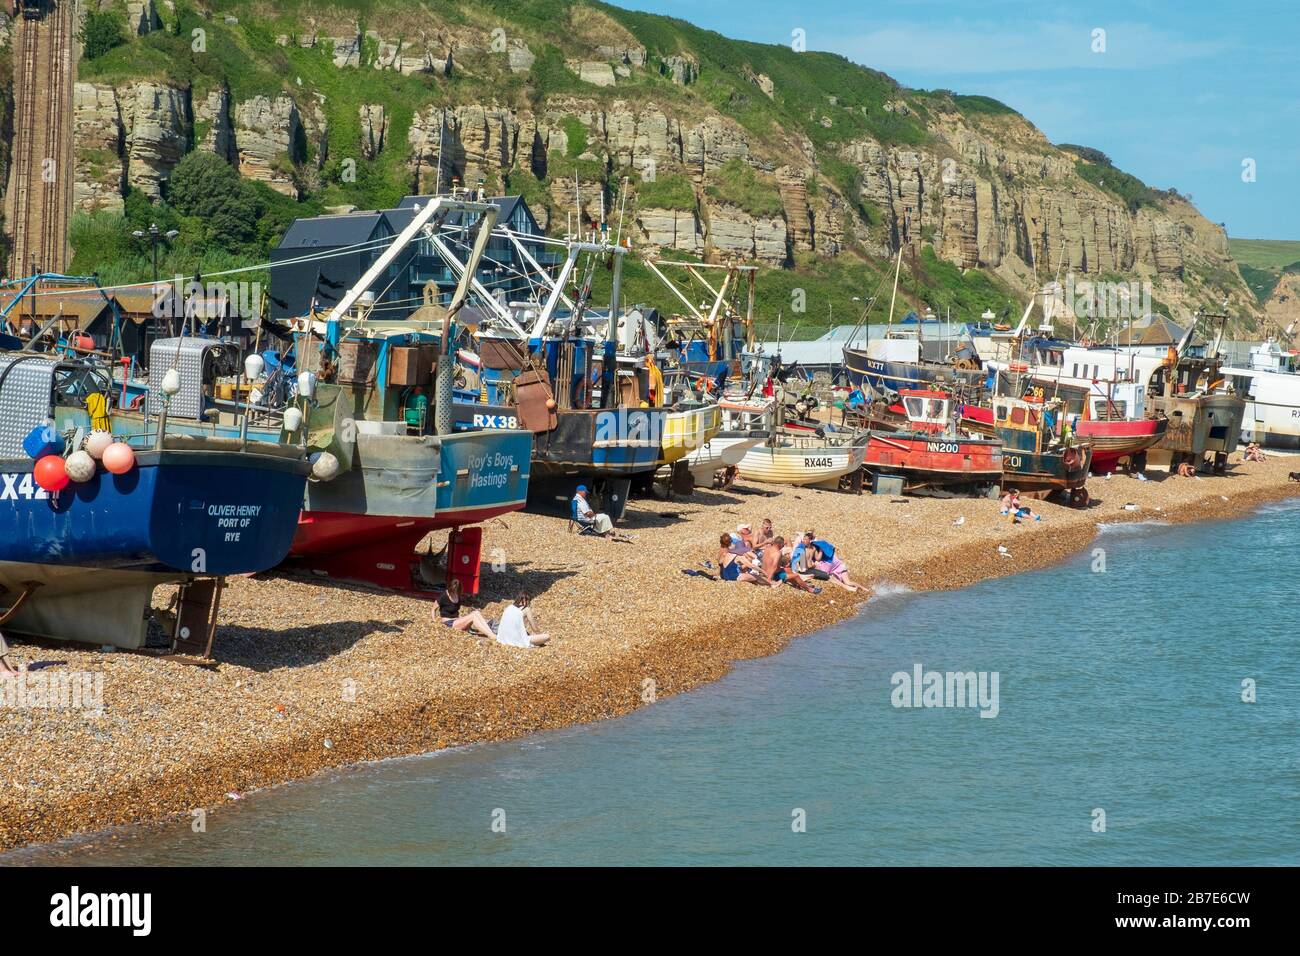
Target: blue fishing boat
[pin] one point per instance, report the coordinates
(80, 556)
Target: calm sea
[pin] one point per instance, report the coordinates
(1119, 702)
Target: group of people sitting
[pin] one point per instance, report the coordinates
(517, 627)
(1015, 509)
(766, 559)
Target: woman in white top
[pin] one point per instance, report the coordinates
(516, 622)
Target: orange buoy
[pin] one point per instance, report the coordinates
(119, 458)
(50, 473)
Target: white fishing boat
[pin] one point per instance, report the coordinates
(814, 460)
(719, 452)
(1272, 415)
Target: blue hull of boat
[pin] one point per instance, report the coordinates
(209, 513)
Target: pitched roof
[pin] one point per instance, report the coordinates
(507, 205)
(79, 306)
(331, 231)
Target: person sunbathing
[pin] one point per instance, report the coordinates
(765, 534)
(518, 624)
(734, 566)
(458, 618)
(776, 568)
(830, 564)
(742, 539)
(1253, 453)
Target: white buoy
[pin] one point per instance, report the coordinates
(306, 384)
(171, 383)
(324, 466)
(292, 419)
(96, 442)
(253, 366)
(80, 466)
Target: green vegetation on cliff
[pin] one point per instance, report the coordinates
(798, 114)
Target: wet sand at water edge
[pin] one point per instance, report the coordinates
(310, 676)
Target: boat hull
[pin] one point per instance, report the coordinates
(928, 462)
(717, 453)
(599, 443)
(105, 544)
(885, 375)
(1038, 474)
(365, 525)
(801, 461)
(1116, 440)
(687, 431)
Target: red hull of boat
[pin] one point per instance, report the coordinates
(1113, 441)
(375, 549)
(927, 460)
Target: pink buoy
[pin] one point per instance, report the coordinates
(119, 458)
(50, 473)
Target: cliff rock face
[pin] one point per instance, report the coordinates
(98, 132)
(142, 17)
(735, 234)
(158, 134)
(861, 172)
(1016, 205)
(374, 126)
(213, 114)
(671, 229)
(268, 132)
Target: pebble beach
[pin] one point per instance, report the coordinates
(308, 675)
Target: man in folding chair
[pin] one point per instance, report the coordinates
(586, 518)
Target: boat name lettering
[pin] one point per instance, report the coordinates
(495, 421)
(234, 511)
(499, 474)
(21, 486)
(947, 447)
(1012, 461)
(817, 462)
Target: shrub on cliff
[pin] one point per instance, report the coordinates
(209, 189)
(102, 32)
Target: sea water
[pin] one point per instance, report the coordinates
(1147, 710)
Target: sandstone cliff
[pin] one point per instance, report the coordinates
(727, 149)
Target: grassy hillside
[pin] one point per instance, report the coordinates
(1263, 261)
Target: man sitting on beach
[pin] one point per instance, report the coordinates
(587, 517)
(765, 534)
(1011, 506)
(1253, 453)
(776, 569)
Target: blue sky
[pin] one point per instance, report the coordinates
(1182, 95)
